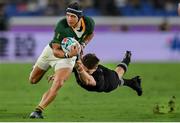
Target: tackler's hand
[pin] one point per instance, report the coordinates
(79, 66)
(50, 78)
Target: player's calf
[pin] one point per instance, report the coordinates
(126, 60)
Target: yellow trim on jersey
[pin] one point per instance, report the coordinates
(83, 25)
(79, 34)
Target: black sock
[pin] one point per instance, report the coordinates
(127, 82)
(125, 62)
(127, 58)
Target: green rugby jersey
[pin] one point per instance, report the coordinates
(62, 30)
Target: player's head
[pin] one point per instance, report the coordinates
(73, 13)
(90, 61)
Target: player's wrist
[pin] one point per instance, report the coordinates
(66, 55)
(83, 44)
(80, 69)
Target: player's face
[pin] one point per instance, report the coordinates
(91, 71)
(72, 19)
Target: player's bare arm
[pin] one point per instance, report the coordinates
(60, 53)
(88, 38)
(86, 78)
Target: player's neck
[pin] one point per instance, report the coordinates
(78, 25)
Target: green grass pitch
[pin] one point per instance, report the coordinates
(160, 81)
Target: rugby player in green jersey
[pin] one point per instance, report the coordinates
(74, 25)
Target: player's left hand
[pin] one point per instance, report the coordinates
(50, 78)
(79, 66)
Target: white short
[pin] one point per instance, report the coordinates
(47, 59)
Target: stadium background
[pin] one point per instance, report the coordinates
(149, 28)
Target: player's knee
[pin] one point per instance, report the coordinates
(57, 84)
(33, 80)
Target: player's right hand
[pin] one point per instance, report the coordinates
(74, 51)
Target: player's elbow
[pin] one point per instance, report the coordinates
(58, 53)
(90, 82)
(55, 53)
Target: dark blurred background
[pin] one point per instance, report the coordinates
(24, 23)
(92, 7)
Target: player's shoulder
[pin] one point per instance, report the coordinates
(100, 66)
(62, 24)
(103, 68)
(62, 21)
(89, 20)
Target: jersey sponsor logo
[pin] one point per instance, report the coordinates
(58, 35)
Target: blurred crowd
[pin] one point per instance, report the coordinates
(166, 8)
(92, 7)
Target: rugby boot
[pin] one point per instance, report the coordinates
(36, 115)
(135, 84)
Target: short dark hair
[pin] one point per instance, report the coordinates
(90, 60)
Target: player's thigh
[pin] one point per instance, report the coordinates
(60, 76)
(63, 63)
(37, 72)
(63, 69)
(41, 65)
(63, 73)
